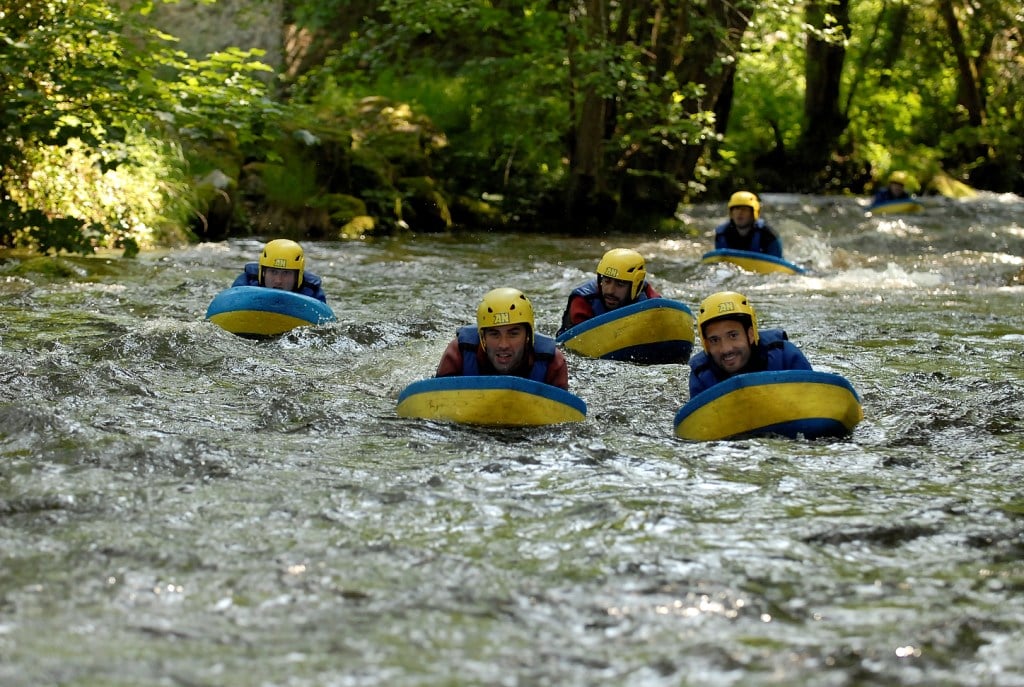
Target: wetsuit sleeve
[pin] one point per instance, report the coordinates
(451, 361)
(558, 372)
(241, 280)
(579, 311)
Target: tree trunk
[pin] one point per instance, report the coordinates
(704, 65)
(970, 94)
(823, 122)
(898, 17)
(586, 186)
(690, 43)
(683, 46)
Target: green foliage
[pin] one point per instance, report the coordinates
(290, 183)
(901, 89)
(103, 115)
(34, 227)
(98, 107)
(487, 76)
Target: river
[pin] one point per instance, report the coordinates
(179, 506)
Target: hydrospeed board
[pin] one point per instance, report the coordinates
(657, 330)
(900, 206)
(790, 403)
(260, 311)
(751, 261)
(503, 400)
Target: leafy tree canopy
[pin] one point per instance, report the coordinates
(91, 89)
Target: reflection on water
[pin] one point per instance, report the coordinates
(181, 506)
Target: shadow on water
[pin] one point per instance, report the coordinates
(182, 506)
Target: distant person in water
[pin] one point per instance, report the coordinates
(895, 189)
(727, 324)
(621, 280)
(504, 342)
(282, 265)
(745, 230)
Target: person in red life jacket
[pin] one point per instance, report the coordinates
(504, 342)
(733, 345)
(282, 265)
(621, 280)
(745, 230)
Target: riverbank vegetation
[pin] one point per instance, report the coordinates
(582, 116)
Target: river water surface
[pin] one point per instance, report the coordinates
(179, 506)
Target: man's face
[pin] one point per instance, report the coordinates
(615, 292)
(277, 278)
(728, 342)
(743, 217)
(505, 346)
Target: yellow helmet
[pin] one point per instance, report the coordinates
(898, 177)
(504, 306)
(284, 255)
(746, 199)
(625, 264)
(727, 305)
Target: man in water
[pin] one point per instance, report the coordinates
(894, 190)
(621, 280)
(745, 230)
(282, 265)
(503, 342)
(733, 345)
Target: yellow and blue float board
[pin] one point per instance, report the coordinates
(260, 311)
(653, 331)
(900, 206)
(751, 261)
(790, 403)
(502, 400)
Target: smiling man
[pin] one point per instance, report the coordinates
(504, 342)
(733, 344)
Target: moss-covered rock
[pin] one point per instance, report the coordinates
(357, 227)
(63, 267)
(341, 206)
(474, 212)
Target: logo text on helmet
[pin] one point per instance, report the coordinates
(280, 262)
(612, 272)
(726, 306)
(500, 318)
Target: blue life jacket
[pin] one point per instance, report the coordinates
(591, 293)
(773, 352)
(311, 283)
(763, 238)
(885, 195)
(543, 353)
